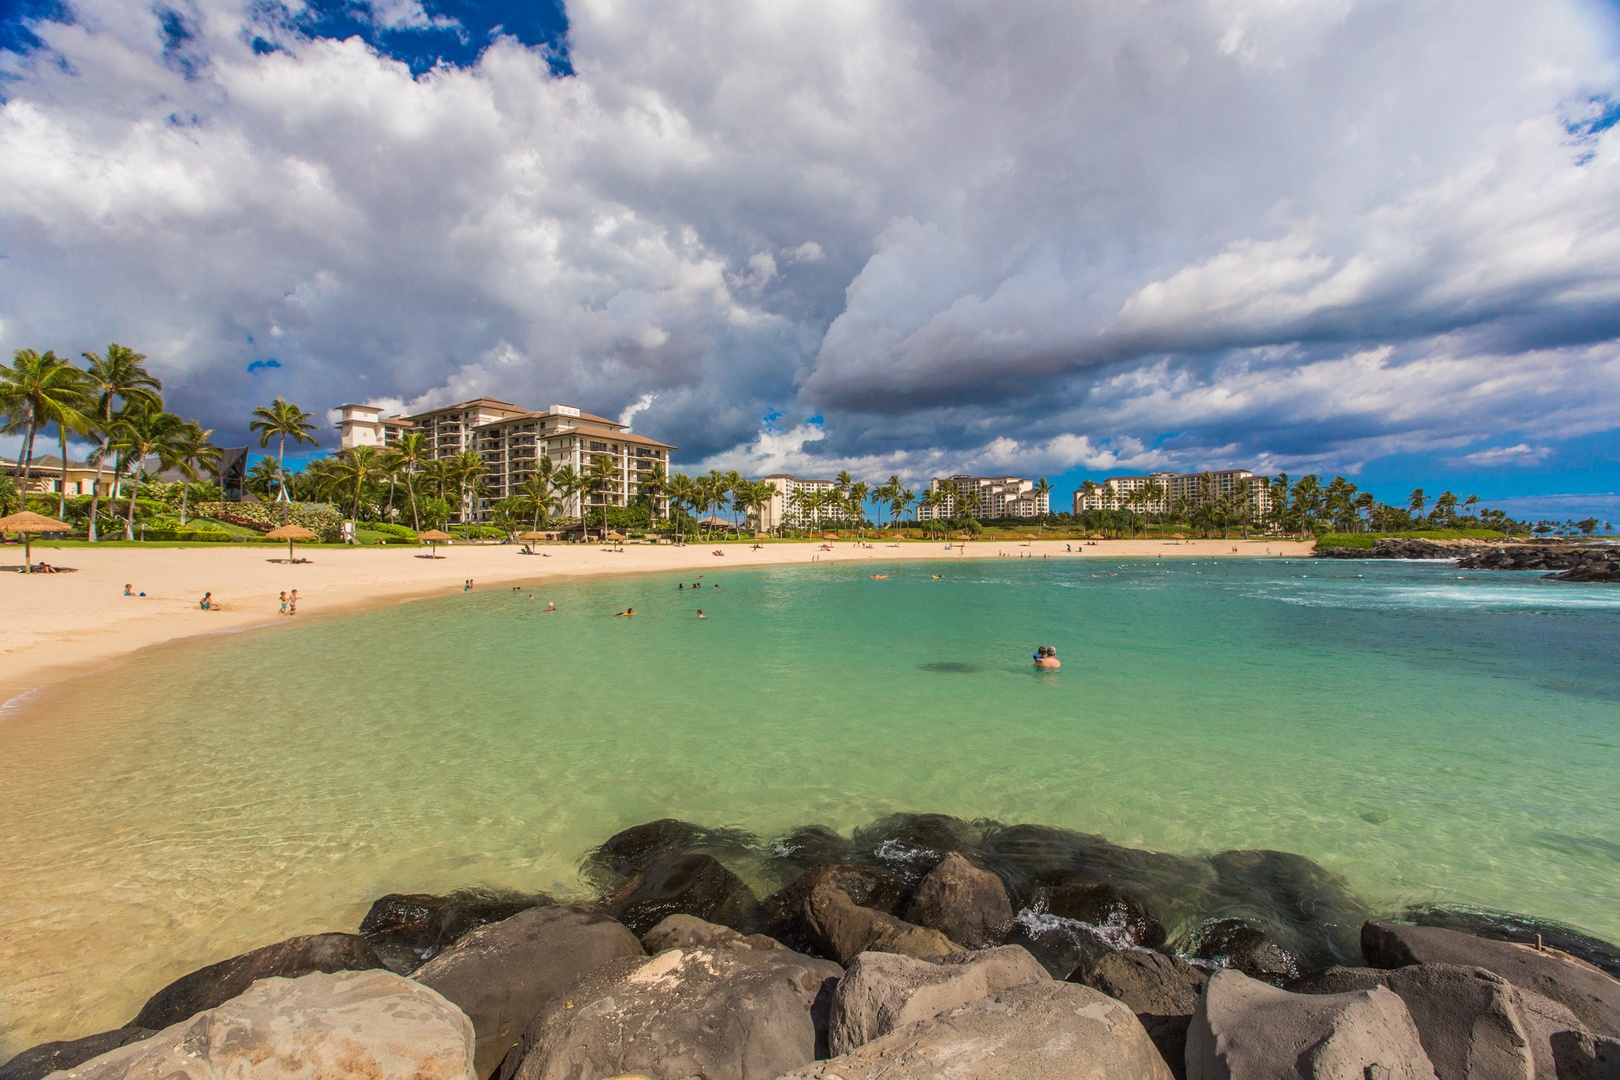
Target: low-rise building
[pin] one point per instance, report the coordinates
(984, 497)
(1162, 492)
(511, 439)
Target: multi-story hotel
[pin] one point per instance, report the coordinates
(1164, 490)
(510, 439)
(788, 507)
(988, 497)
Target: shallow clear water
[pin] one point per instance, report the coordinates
(1429, 738)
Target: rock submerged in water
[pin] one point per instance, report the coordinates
(40, 1061)
(218, 983)
(687, 884)
(966, 904)
(409, 928)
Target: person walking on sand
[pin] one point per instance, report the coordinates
(284, 601)
(292, 602)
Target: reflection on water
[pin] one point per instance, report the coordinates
(1429, 739)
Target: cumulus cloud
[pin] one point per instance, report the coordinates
(922, 237)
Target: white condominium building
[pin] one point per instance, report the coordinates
(1158, 493)
(987, 497)
(510, 439)
(791, 505)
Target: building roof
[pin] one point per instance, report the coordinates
(622, 436)
(529, 414)
(474, 403)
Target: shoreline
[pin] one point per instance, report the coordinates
(64, 626)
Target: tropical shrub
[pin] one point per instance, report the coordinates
(323, 519)
(399, 532)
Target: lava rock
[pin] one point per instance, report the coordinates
(1584, 1056)
(348, 1024)
(1587, 992)
(1119, 918)
(408, 928)
(1245, 1028)
(689, 884)
(812, 845)
(627, 853)
(683, 1013)
(502, 974)
(818, 914)
(910, 845)
(1036, 1031)
(882, 992)
(1149, 982)
(1307, 909)
(966, 904)
(1242, 946)
(212, 986)
(782, 913)
(689, 932)
(40, 1061)
(1525, 929)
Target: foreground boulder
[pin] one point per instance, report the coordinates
(1038, 1031)
(817, 913)
(216, 984)
(1587, 992)
(1161, 990)
(1244, 1028)
(1474, 1025)
(961, 901)
(408, 928)
(351, 1024)
(883, 991)
(501, 975)
(40, 1061)
(1583, 1056)
(683, 1013)
(689, 932)
(685, 884)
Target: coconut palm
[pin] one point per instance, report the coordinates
(859, 491)
(652, 484)
(683, 492)
(1416, 502)
(355, 470)
(407, 456)
(261, 479)
(463, 471)
(141, 431)
(117, 377)
(602, 477)
(34, 391)
(188, 454)
(70, 408)
(282, 420)
(537, 495)
(1043, 489)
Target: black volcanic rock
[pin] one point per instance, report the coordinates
(689, 884)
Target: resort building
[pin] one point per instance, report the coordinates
(985, 497)
(793, 505)
(510, 439)
(45, 474)
(1160, 492)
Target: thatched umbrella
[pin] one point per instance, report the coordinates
(434, 538)
(290, 533)
(27, 522)
(615, 537)
(534, 537)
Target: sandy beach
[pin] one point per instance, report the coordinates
(62, 625)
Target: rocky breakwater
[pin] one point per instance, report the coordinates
(1597, 562)
(922, 946)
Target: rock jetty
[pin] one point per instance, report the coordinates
(1557, 560)
(923, 946)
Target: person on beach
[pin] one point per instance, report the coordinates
(129, 590)
(292, 602)
(207, 602)
(284, 601)
(468, 586)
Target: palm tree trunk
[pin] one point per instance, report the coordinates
(101, 463)
(185, 496)
(61, 495)
(129, 518)
(281, 474)
(28, 461)
(409, 490)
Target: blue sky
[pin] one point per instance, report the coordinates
(1349, 236)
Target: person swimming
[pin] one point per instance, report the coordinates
(626, 613)
(550, 606)
(1046, 658)
(701, 615)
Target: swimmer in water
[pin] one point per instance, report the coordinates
(701, 615)
(1046, 658)
(550, 606)
(626, 613)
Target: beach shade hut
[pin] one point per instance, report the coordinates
(434, 538)
(532, 537)
(615, 536)
(28, 523)
(762, 536)
(290, 533)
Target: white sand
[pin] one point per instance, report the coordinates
(60, 625)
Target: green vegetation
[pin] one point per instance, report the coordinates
(1367, 540)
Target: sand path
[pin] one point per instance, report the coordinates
(60, 625)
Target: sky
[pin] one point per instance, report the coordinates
(1378, 238)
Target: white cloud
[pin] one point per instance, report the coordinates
(1520, 454)
(1101, 236)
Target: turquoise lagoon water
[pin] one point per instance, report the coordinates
(1430, 738)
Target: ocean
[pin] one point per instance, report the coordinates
(1432, 736)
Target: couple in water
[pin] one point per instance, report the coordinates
(1046, 658)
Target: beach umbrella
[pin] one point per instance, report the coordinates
(534, 537)
(615, 536)
(27, 523)
(434, 538)
(829, 536)
(290, 533)
(762, 536)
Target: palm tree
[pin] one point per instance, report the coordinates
(1446, 507)
(189, 453)
(139, 432)
(463, 472)
(282, 420)
(652, 484)
(407, 456)
(567, 484)
(33, 391)
(859, 491)
(69, 408)
(1042, 490)
(537, 494)
(261, 479)
(602, 476)
(1469, 504)
(354, 470)
(1416, 502)
(118, 377)
(683, 491)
